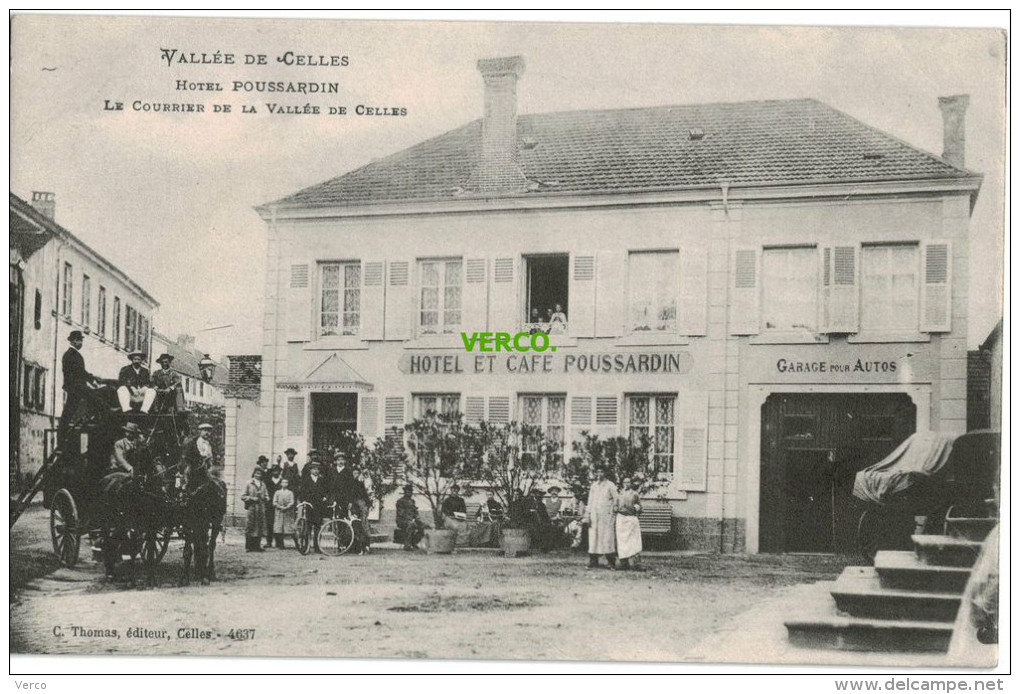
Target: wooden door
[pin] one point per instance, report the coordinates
(812, 446)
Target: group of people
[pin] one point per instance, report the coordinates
(136, 387)
(272, 496)
(611, 519)
(539, 514)
(555, 320)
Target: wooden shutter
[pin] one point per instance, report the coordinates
(299, 303)
(936, 286)
(840, 292)
(580, 416)
(691, 441)
(607, 416)
(475, 296)
(611, 294)
(295, 433)
(745, 290)
(368, 416)
(398, 300)
(394, 416)
(581, 317)
(504, 313)
(692, 306)
(499, 409)
(474, 409)
(373, 299)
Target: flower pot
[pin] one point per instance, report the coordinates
(440, 541)
(515, 541)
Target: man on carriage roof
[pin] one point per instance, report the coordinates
(133, 384)
(169, 386)
(79, 384)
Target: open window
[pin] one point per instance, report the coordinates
(546, 293)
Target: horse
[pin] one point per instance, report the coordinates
(202, 512)
(134, 513)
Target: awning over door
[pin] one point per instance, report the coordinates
(330, 375)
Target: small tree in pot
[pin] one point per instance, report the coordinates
(622, 457)
(440, 455)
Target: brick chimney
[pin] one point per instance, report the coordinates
(954, 132)
(45, 204)
(498, 170)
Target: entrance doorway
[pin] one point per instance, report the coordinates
(332, 413)
(812, 446)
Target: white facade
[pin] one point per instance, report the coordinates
(68, 286)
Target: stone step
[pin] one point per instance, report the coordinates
(859, 593)
(973, 529)
(905, 571)
(943, 550)
(843, 633)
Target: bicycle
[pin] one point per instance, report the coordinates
(336, 536)
(303, 528)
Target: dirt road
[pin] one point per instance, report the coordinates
(405, 605)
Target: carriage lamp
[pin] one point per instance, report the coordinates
(206, 367)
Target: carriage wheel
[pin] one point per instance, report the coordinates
(155, 544)
(335, 537)
(303, 535)
(867, 537)
(64, 524)
(883, 530)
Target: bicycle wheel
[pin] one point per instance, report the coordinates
(335, 537)
(303, 535)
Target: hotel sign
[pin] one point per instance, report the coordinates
(652, 363)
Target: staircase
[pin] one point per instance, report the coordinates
(906, 602)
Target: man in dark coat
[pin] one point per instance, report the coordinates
(133, 383)
(272, 474)
(315, 490)
(168, 385)
(343, 486)
(79, 384)
(197, 456)
(290, 470)
(408, 520)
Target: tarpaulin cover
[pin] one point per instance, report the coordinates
(907, 469)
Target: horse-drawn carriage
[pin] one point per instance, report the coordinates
(927, 481)
(123, 514)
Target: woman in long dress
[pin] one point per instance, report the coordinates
(628, 527)
(599, 516)
(255, 499)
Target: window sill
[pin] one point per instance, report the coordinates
(865, 338)
(336, 342)
(651, 337)
(445, 341)
(780, 337)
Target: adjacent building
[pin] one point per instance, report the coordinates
(64, 285)
(774, 292)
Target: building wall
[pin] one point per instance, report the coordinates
(995, 393)
(45, 344)
(241, 450)
(726, 373)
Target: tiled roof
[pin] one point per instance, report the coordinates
(647, 149)
(245, 376)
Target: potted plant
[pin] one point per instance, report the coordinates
(514, 460)
(622, 457)
(439, 456)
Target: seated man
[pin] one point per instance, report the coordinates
(133, 385)
(126, 451)
(408, 521)
(491, 511)
(168, 386)
(455, 515)
(537, 521)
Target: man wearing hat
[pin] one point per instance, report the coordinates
(408, 522)
(79, 384)
(126, 450)
(315, 490)
(169, 389)
(197, 456)
(290, 470)
(600, 517)
(133, 384)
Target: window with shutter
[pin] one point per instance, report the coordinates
(547, 413)
(652, 290)
(438, 403)
(789, 290)
(440, 306)
(340, 299)
(889, 288)
(653, 418)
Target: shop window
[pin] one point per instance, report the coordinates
(68, 293)
(86, 300)
(653, 289)
(790, 289)
(654, 417)
(889, 288)
(547, 299)
(440, 299)
(340, 305)
(439, 403)
(548, 414)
